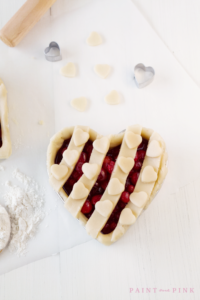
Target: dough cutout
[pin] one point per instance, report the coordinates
(70, 157)
(113, 98)
(148, 174)
(115, 187)
(90, 170)
(132, 140)
(80, 137)
(102, 70)
(104, 207)
(80, 103)
(69, 70)
(59, 171)
(139, 199)
(101, 145)
(154, 149)
(127, 217)
(79, 191)
(125, 163)
(94, 39)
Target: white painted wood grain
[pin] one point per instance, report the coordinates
(39, 280)
(84, 272)
(178, 25)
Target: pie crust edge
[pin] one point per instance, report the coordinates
(56, 143)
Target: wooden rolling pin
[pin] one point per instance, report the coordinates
(24, 19)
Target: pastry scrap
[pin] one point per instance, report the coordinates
(102, 70)
(5, 143)
(79, 104)
(113, 98)
(106, 181)
(5, 228)
(69, 70)
(94, 39)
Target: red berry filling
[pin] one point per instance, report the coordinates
(103, 179)
(129, 186)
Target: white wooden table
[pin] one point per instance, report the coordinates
(69, 275)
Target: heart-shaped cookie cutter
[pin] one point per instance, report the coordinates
(140, 72)
(52, 53)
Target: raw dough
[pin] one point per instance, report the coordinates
(144, 191)
(113, 98)
(79, 191)
(101, 145)
(94, 39)
(154, 149)
(5, 228)
(127, 217)
(104, 207)
(102, 70)
(148, 174)
(132, 140)
(90, 170)
(79, 104)
(59, 171)
(71, 157)
(125, 163)
(115, 187)
(69, 70)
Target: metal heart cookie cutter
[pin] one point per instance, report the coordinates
(143, 75)
(52, 53)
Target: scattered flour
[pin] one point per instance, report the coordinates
(25, 206)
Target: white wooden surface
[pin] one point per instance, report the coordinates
(72, 274)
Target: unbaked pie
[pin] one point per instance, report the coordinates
(5, 143)
(106, 181)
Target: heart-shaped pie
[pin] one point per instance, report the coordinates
(109, 180)
(5, 143)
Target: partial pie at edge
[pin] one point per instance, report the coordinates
(72, 141)
(5, 147)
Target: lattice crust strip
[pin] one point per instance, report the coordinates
(149, 182)
(5, 149)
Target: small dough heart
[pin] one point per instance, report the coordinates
(104, 207)
(70, 157)
(102, 70)
(115, 187)
(148, 174)
(154, 149)
(80, 137)
(90, 170)
(126, 163)
(79, 104)
(94, 39)
(132, 140)
(102, 145)
(138, 199)
(59, 171)
(127, 217)
(79, 191)
(69, 70)
(113, 98)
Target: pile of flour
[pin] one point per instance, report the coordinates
(25, 207)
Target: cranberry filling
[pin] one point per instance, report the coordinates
(77, 172)
(1, 142)
(103, 179)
